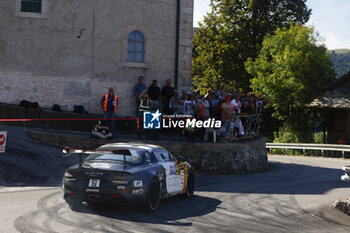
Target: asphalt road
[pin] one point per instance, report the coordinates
(295, 196)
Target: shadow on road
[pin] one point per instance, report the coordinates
(170, 210)
(285, 178)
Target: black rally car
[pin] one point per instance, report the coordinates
(127, 172)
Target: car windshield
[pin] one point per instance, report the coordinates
(131, 156)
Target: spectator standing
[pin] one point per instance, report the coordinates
(214, 102)
(218, 108)
(145, 106)
(173, 102)
(245, 110)
(218, 90)
(252, 103)
(167, 93)
(109, 104)
(260, 107)
(154, 93)
(188, 105)
(226, 115)
(236, 104)
(195, 100)
(138, 89)
(183, 93)
(209, 98)
(179, 106)
(202, 108)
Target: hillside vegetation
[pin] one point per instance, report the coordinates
(341, 61)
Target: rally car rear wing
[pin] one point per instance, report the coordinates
(69, 152)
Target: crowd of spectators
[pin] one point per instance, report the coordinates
(228, 105)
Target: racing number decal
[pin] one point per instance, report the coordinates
(94, 183)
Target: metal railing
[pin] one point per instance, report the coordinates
(250, 127)
(239, 127)
(309, 146)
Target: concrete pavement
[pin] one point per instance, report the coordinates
(295, 196)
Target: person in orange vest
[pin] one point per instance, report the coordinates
(109, 104)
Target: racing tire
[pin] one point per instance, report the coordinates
(153, 195)
(189, 191)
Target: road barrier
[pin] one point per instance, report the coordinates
(309, 146)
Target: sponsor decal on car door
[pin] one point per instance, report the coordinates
(174, 179)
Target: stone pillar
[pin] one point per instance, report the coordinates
(185, 45)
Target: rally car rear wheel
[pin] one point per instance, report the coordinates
(153, 195)
(190, 186)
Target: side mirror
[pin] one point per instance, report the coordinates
(181, 159)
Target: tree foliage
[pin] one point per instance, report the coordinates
(292, 66)
(233, 32)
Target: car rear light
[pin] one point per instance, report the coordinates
(71, 193)
(117, 195)
(67, 174)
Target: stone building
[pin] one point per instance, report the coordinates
(71, 51)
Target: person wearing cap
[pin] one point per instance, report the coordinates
(154, 93)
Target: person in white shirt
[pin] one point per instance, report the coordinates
(236, 104)
(189, 105)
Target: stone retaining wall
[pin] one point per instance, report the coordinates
(214, 158)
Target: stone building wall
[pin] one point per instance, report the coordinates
(185, 50)
(75, 50)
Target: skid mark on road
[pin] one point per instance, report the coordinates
(205, 212)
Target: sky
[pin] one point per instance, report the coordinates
(329, 17)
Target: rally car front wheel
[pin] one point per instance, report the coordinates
(190, 186)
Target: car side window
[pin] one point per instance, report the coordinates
(166, 156)
(158, 156)
(171, 158)
(148, 157)
(163, 155)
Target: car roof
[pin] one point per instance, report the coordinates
(129, 145)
